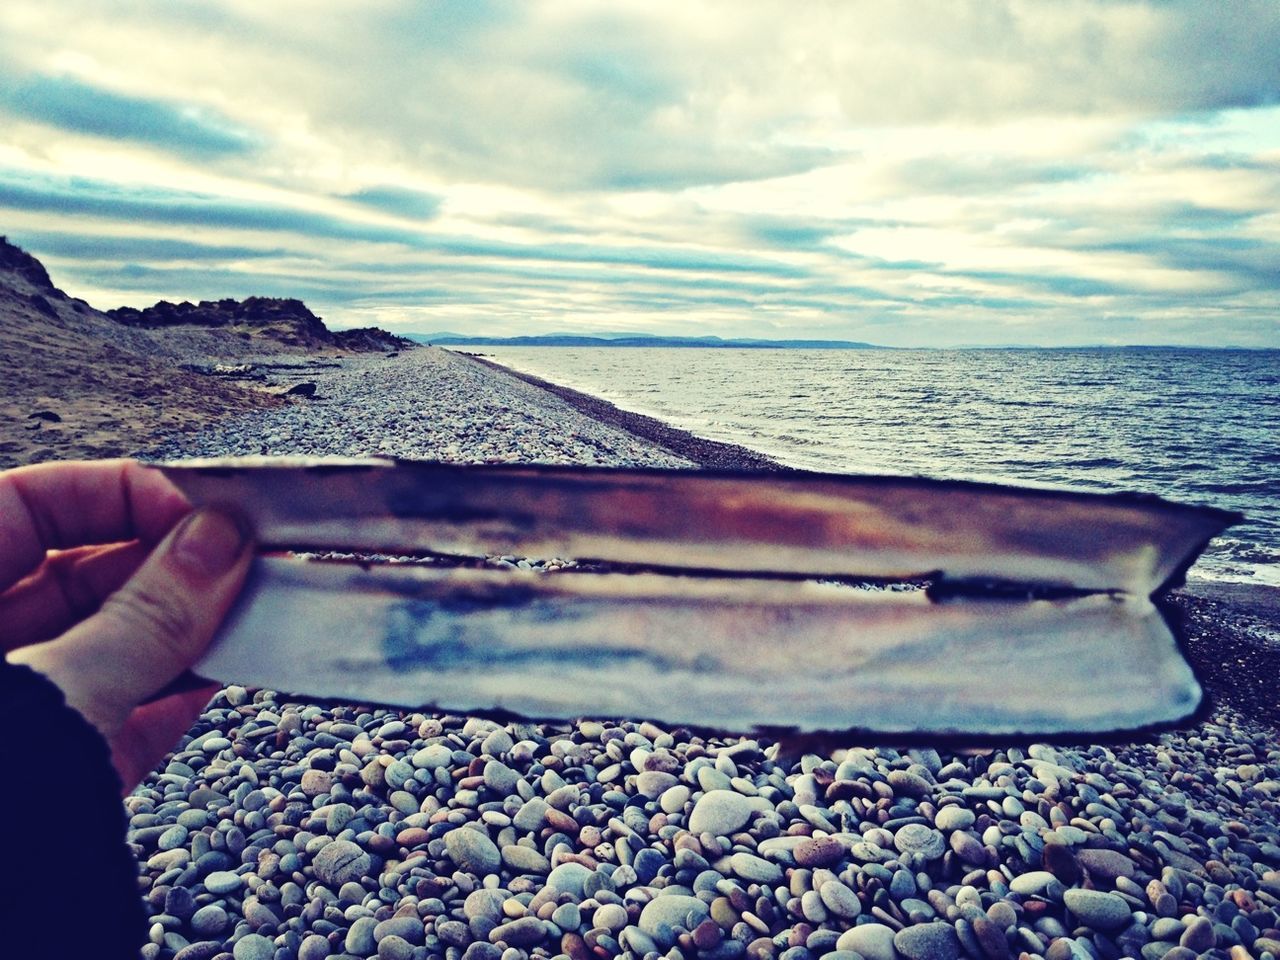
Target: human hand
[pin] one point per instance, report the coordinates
(111, 586)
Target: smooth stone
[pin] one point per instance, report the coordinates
(1106, 864)
(569, 878)
(653, 783)
(1199, 935)
(395, 948)
(359, 940)
(433, 756)
(407, 928)
(222, 882)
(818, 852)
(499, 777)
(907, 784)
(968, 848)
(1032, 882)
(316, 782)
(840, 900)
(531, 815)
(254, 946)
(611, 916)
(928, 941)
(1105, 911)
(522, 932)
(209, 921)
(497, 743)
(473, 851)
(567, 916)
(750, 867)
(954, 817)
(919, 839)
(670, 910)
(873, 940)
(524, 859)
(719, 812)
(341, 861)
(484, 903)
(674, 798)
(314, 947)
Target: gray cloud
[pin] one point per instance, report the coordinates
(81, 108)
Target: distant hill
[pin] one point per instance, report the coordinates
(287, 322)
(635, 340)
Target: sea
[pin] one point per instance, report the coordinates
(1195, 426)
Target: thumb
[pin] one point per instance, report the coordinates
(151, 629)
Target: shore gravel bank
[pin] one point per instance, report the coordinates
(284, 829)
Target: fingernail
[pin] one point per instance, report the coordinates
(209, 542)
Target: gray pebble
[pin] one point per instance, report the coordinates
(928, 941)
(663, 913)
(472, 850)
(341, 861)
(222, 882)
(254, 946)
(719, 812)
(1105, 911)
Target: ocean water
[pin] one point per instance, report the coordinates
(1196, 426)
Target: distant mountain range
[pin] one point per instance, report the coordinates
(633, 340)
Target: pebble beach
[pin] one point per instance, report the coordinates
(281, 829)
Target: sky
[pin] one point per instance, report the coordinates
(933, 173)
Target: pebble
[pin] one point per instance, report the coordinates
(874, 941)
(840, 900)
(954, 817)
(209, 921)
(663, 913)
(1105, 911)
(719, 812)
(340, 861)
(254, 946)
(1106, 865)
(753, 868)
(928, 941)
(522, 932)
(222, 882)
(818, 852)
(569, 878)
(473, 851)
(921, 840)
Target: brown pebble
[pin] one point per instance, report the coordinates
(1106, 864)
(906, 784)
(969, 848)
(707, 935)
(575, 947)
(412, 837)
(818, 852)
(722, 912)
(1061, 862)
(561, 821)
(991, 939)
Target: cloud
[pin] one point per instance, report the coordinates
(400, 201)
(79, 107)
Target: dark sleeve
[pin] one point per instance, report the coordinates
(68, 883)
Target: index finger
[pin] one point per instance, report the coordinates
(56, 506)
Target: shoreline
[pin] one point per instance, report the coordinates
(715, 454)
